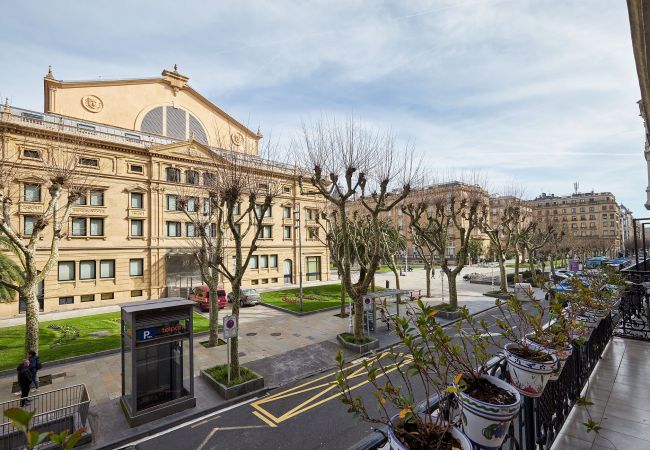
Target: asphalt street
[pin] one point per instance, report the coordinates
(306, 414)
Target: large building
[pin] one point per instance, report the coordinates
(141, 143)
(591, 217)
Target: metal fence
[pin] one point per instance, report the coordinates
(540, 420)
(56, 411)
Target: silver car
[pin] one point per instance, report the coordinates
(247, 297)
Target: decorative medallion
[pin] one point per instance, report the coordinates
(237, 138)
(92, 103)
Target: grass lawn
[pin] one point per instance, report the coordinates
(315, 298)
(12, 338)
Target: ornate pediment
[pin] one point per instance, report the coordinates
(190, 150)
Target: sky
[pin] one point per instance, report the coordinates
(539, 93)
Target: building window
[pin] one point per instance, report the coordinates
(173, 175)
(137, 227)
(264, 262)
(31, 153)
(254, 282)
(174, 229)
(107, 296)
(312, 233)
(66, 270)
(273, 261)
(309, 214)
(192, 204)
(66, 300)
(28, 225)
(87, 298)
(258, 210)
(82, 200)
(137, 200)
(191, 177)
(286, 212)
(87, 270)
(208, 179)
(286, 190)
(79, 226)
(136, 168)
(136, 293)
(191, 230)
(253, 263)
(264, 232)
(172, 204)
(97, 198)
(32, 193)
(96, 227)
(236, 210)
(89, 162)
(136, 267)
(107, 268)
(313, 268)
(287, 232)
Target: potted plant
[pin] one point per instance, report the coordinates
(415, 371)
(529, 367)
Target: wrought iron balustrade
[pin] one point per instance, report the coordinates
(634, 322)
(540, 420)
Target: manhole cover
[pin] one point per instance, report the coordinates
(276, 334)
(240, 354)
(251, 334)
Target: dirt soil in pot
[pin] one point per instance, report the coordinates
(485, 391)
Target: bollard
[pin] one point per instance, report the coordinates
(387, 284)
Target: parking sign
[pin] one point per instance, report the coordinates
(229, 327)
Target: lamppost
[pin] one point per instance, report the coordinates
(296, 220)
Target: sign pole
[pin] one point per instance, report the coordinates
(228, 360)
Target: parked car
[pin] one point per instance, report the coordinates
(201, 295)
(247, 297)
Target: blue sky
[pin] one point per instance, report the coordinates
(538, 92)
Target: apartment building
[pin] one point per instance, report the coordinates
(592, 217)
(142, 143)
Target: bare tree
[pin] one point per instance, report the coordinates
(348, 162)
(56, 186)
(444, 213)
(533, 239)
(428, 254)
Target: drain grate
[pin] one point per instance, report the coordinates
(251, 334)
(276, 334)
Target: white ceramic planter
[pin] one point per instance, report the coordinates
(562, 356)
(395, 444)
(486, 424)
(529, 377)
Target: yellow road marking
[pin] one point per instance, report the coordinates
(264, 419)
(203, 422)
(265, 415)
(207, 438)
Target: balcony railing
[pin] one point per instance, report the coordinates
(541, 419)
(55, 411)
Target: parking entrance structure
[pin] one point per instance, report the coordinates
(157, 359)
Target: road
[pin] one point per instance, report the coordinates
(303, 415)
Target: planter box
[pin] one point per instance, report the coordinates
(358, 348)
(234, 391)
(448, 315)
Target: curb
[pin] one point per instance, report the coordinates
(300, 314)
(72, 359)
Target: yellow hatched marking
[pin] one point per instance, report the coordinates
(264, 419)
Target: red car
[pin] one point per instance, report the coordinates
(200, 295)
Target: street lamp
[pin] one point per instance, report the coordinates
(296, 221)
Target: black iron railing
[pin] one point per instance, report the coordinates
(55, 411)
(634, 309)
(540, 420)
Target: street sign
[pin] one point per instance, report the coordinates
(229, 327)
(367, 304)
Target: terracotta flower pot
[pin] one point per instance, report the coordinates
(528, 377)
(486, 424)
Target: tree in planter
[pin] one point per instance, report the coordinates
(451, 213)
(56, 187)
(394, 243)
(534, 238)
(428, 254)
(354, 169)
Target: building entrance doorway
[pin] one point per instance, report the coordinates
(288, 271)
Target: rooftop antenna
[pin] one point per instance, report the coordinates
(576, 186)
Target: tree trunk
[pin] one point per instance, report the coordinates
(552, 264)
(453, 293)
(343, 313)
(397, 285)
(214, 318)
(372, 284)
(358, 318)
(503, 276)
(31, 316)
(234, 342)
(427, 274)
(516, 275)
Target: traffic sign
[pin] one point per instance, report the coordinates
(229, 327)
(367, 304)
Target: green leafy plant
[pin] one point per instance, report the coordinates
(21, 419)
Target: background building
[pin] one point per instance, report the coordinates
(141, 143)
(591, 217)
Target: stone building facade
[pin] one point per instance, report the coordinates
(141, 143)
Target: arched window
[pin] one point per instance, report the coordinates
(191, 177)
(178, 124)
(173, 174)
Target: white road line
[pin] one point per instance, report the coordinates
(190, 422)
